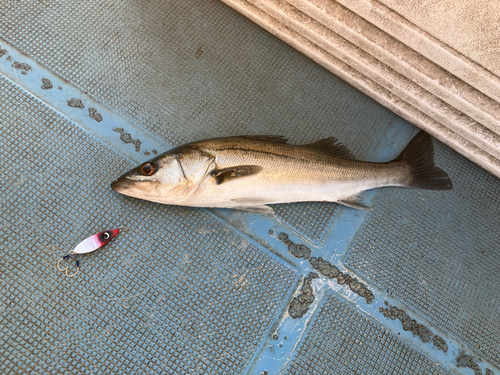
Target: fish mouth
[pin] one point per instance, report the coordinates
(122, 185)
(135, 189)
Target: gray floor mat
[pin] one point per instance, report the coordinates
(187, 70)
(439, 252)
(342, 340)
(172, 292)
(206, 72)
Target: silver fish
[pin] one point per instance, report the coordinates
(250, 172)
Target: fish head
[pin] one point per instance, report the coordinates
(168, 178)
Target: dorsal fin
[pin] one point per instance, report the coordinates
(333, 147)
(267, 138)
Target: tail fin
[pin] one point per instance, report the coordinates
(419, 155)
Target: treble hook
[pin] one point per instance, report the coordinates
(65, 270)
(88, 245)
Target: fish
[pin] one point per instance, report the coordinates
(251, 172)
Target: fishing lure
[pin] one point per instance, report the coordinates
(88, 245)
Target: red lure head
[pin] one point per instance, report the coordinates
(106, 236)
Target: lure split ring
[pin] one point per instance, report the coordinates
(88, 245)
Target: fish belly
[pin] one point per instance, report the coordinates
(252, 191)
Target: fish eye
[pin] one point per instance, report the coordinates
(105, 235)
(148, 169)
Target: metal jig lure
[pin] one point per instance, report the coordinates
(88, 245)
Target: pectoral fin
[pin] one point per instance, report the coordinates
(354, 202)
(225, 174)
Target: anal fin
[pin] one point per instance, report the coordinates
(354, 202)
(260, 208)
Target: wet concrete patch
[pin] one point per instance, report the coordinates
(75, 103)
(127, 138)
(440, 344)
(464, 360)
(46, 84)
(409, 324)
(300, 304)
(93, 114)
(298, 251)
(324, 267)
(330, 271)
(22, 66)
